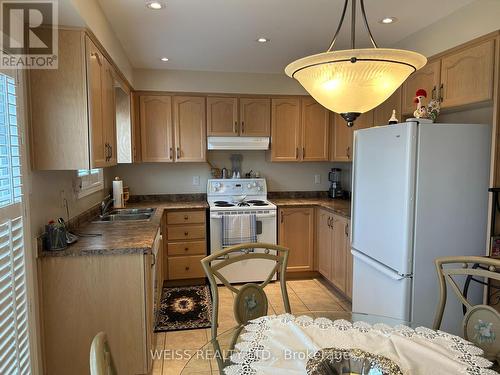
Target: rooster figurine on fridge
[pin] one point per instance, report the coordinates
(430, 111)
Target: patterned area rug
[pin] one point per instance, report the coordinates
(187, 307)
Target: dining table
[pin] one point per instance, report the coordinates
(336, 342)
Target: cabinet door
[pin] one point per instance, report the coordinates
(285, 129)
(296, 231)
(156, 129)
(149, 313)
(426, 78)
(315, 124)
(190, 129)
(255, 117)
(364, 121)
(348, 281)
(95, 72)
(109, 114)
(339, 259)
(383, 112)
(222, 116)
(324, 244)
(467, 76)
(342, 139)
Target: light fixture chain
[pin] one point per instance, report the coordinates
(353, 25)
(363, 13)
(338, 27)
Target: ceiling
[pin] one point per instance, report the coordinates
(219, 35)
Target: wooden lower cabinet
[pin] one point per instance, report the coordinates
(185, 245)
(296, 231)
(83, 295)
(334, 250)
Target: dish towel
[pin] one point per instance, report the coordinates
(238, 229)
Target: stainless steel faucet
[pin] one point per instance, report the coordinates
(105, 204)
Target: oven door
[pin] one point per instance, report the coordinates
(249, 270)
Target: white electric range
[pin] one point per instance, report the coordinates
(242, 197)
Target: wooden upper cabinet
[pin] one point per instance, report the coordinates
(427, 78)
(467, 75)
(190, 128)
(365, 120)
(315, 124)
(95, 75)
(342, 139)
(383, 112)
(156, 128)
(109, 114)
(255, 117)
(222, 116)
(296, 231)
(285, 129)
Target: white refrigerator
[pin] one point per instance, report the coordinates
(420, 191)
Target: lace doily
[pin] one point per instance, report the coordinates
(261, 336)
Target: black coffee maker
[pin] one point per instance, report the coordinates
(335, 190)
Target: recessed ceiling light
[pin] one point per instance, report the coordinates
(155, 5)
(165, 59)
(388, 20)
(263, 40)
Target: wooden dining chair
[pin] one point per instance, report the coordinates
(481, 323)
(250, 299)
(101, 361)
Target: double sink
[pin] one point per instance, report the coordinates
(126, 214)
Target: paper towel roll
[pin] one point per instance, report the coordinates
(118, 201)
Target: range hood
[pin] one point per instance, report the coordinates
(238, 143)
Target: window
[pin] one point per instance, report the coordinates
(14, 329)
(89, 181)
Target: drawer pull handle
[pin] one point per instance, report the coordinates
(186, 217)
(186, 233)
(187, 268)
(186, 248)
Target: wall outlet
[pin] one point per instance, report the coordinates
(196, 180)
(317, 179)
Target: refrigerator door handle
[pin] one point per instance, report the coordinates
(378, 266)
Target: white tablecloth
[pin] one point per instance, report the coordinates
(279, 345)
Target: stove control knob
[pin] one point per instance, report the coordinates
(254, 184)
(249, 186)
(259, 188)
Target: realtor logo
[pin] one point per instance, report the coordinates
(29, 34)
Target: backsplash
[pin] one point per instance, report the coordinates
(177, 178)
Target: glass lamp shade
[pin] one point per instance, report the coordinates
(354, 81)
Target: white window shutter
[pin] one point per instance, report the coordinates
(14, 324)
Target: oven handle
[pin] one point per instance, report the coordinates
(258, 216)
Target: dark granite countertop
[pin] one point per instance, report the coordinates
(338, 206)
(118, 238)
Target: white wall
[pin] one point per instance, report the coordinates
(46, 197)
(94, 18)
(216, 82)
(476, 19)
(161, 178)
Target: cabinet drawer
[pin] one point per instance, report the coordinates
(185, 267)
(187, 248)
(186, 217)
(185, 232)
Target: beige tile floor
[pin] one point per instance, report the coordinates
(304, 295)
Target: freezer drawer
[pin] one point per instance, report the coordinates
(379, 290)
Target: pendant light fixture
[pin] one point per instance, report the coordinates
(351, 82)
